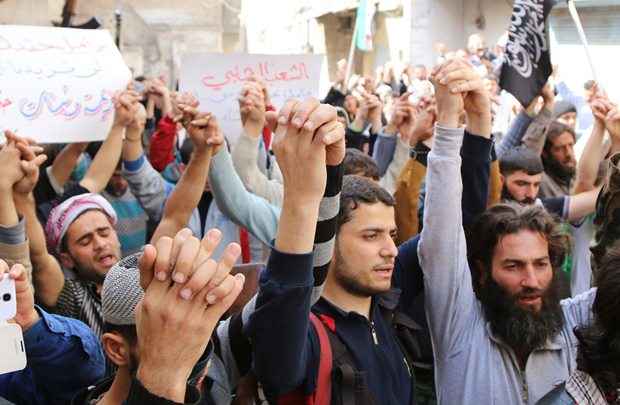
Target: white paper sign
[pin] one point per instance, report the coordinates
(56, 84)
(216, 80)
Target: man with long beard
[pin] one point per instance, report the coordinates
(515, 342)
(558, 157)
(522, 175)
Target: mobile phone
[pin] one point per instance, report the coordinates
(8, 301)
(12, 349)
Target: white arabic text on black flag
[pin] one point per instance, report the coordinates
(527, 62)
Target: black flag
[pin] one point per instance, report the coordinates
(527, 60)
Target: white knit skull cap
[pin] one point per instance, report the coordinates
(122, 292)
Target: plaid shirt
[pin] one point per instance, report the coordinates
(583, 389)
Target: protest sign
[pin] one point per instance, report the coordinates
(56, 84)
(216, 81)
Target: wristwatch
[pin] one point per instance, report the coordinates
(419, 153)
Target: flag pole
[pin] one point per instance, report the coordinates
(351, 53)
(582, 35)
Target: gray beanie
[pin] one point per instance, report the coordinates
(563, 107)
(122, 292)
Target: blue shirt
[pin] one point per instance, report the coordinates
(63, 356)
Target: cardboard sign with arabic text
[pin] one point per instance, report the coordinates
(216, 80)
(56, 84)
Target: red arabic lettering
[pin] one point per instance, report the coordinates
(295, 72)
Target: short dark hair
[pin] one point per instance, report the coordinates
(357, 162)
(599, 343)
(520, 158)
(556, 129)
(506, 219)
(358, 190)
(128, 332)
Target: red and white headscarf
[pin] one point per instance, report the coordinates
(64, 214)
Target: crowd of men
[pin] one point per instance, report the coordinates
(414, 238)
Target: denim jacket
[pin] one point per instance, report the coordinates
(63, 356)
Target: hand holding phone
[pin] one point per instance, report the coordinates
(12, 350)
(8, 300)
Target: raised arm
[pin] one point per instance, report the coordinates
(535, 136)
(386, 143)
(205, 134)
(284, 298)
(589, 162)
(104, 163)
(442, 251)
(516, 131)
(245, 209)
(582, 204)
(11, 174)
(65, 162)
(47, 276)
(146, 183)
(175, 319)
(13, 243)
(413, 127)
(245, 153)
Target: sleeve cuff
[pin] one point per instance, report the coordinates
(58, 189)
(167, 125)
(134, 165)
(334, 180)
(289, 270)
(39, 331)
(387, 137)
(13, 235)
(476, 147)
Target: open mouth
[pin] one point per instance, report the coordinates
(384, 271)
(533, 300)
(107, 260)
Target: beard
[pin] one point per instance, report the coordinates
(347, 279)
(506, 196)
(133, 363)
(87, 272)
(521, 329)
(559, 170)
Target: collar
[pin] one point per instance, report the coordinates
(388, 300)
(93, 393)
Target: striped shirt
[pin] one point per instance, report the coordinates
(131, 226)
(79, 300)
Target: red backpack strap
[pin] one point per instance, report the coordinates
(323, 391)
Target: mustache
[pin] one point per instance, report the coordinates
(527, 201)
(529, 293)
